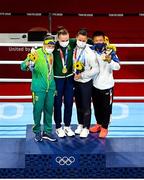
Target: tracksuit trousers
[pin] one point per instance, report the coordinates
(102, 102)
(83, 94)
(64, 91)
(43, 102)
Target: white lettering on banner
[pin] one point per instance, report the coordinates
(33, 14)
(19, 49)
(141, 14)
(5, 14)
(57, 14)
(19, 110)
(124, 111)
(118, 15)
(89, 15)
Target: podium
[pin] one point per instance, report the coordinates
(70, 157)
(73, 157)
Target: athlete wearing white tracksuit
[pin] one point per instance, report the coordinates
(103, 83)
(103, 89)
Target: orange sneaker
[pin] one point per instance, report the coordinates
(103, 133)
(95, 128)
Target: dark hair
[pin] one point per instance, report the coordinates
(47, 37)
(98, 33)
(83, 32)
(62, 31)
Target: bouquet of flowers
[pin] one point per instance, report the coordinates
(32, 56)
(108, 45)
(78, 67)
(109, 48)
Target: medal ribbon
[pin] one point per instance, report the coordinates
(64, 60)
(80, 55)
(49, 63)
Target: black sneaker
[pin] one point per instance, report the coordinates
(49, 136)
(38, 137)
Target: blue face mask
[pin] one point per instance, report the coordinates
(99, 46)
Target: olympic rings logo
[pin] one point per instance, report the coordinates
(65, 160)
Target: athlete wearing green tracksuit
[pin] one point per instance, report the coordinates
(43, 88)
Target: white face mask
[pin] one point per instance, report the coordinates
(49, 50)
(64, 44)
(81, 44)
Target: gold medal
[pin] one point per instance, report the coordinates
(64, 70)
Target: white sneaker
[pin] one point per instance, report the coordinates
(60, 132)
(84, 133)
(68, 131)
(79, 129)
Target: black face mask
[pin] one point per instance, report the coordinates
(99, 46)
